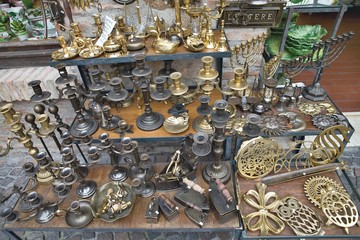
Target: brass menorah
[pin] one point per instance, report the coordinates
(248, 52)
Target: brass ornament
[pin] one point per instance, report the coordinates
(163, 45)
(265, 220)
(65, 52)
(340, 210)
(310, 108)
(238, 83)
(316, 186)
(91, 51)
(302, 219)
(178, 87)
(177, 124)
(330, 109)
(329, 145)
(256, 158)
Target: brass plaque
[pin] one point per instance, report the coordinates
(247, 15)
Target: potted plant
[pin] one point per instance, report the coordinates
(19, 29)
(5, 32)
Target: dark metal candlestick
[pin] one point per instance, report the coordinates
(149, 120)
(201, 123)
(40, 95)
(218, 169)
(160, 94)
(81, 123)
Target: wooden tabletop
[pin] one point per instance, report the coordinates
(293, 188)
(135, 221)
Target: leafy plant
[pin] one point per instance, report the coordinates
(18, 27)
(4, 17)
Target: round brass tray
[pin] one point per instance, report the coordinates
(98, 199)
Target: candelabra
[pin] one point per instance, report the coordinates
(201, 147)
(141, 186)
(323, 55)
(250, 51)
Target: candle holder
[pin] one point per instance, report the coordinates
(48, 169)
(69, 159)
(201, 146)
(202, 122)
(81, 123)
(238, 83)
(118, 94)
(108, 121)
(167, 69)
(177, 88)
(149, 120)
(160, 94)
(218, 169)
(66, 79)
(251, 128)
(143, 188)
(40, 95)
(208, 76)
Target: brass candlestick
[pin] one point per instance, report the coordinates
(208, 75)
(177, 88)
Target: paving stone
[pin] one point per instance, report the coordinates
(208, 236)
(68, 234)
(155, 236)
(52, 235)
(137, 236)
(105, 236)
(173, 236)
(75, 237)
(16, 172)
(7, 181)
(5, 171)
(192, 236)
(121, 236)
(89, 235)
(34, 236)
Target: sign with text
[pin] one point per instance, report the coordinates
(247, 15)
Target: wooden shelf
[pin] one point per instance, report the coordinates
(135, 221)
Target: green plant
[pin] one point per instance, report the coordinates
(18, 27)
(4, 17)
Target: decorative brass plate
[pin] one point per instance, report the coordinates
(256, 158)
(340, 210)
(323, 121)
(316, 186)
(93, 52)
(302, 219)
(266, 221)
(273, 125)
(310, 108)
(65, 54)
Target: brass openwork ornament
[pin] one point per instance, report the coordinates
(310, 108)
(316, 186)
(334, 201)
(302, 219)
(323, 121)
(256, 158)
(329, 145)
(263, 219)
(273, 125)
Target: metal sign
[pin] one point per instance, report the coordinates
(248, 15)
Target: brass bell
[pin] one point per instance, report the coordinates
(238, 83)
(177, 88)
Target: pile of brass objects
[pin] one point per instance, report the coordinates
(125, 39)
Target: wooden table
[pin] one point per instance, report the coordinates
(135, 221)
(293, 188)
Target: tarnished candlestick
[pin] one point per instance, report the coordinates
(331, 50)
(66, 79)
(202, 122)
(218, 169)
(149, 120)
(251, 128)
(126, 72)
(118, 94)
(208, 75)
(40, 95)
(30, 118)
(54, 110)
(141, 73)
(140, 167)
(160, 94)
(167, 69)
(48, 169)
(108, 121)
(201, 146)
(142, 186)
(69, 159)
(81, 123)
